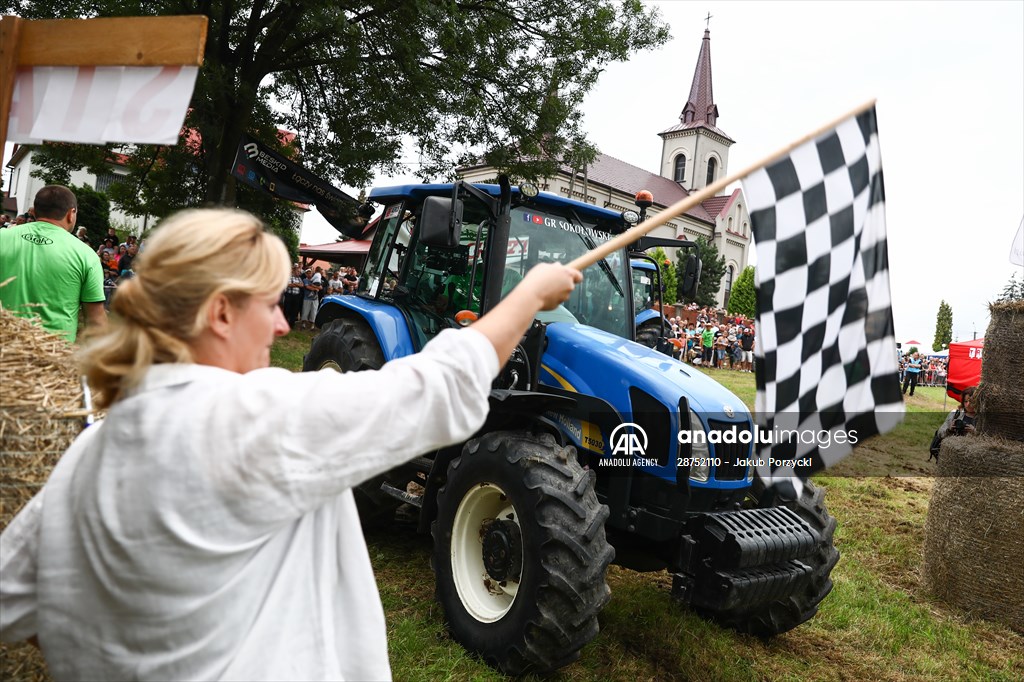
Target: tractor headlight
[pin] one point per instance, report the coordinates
(699, 452)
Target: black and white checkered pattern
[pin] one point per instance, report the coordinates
(826, 358)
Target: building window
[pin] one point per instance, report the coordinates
(730, 223)
(680, 170)
(744, 229)
(712, 164)
(103, 182)
(729, 272)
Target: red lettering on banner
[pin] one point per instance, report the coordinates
(83, 84)
(133, 122)
(23, 105)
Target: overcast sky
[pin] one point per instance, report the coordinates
(949, 79)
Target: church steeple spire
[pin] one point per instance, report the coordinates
(700, 106)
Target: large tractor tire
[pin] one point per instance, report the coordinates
(346, 345)
(520, 554)
(648, 333)
(784, 615)
(349, 345)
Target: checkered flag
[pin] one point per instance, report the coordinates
(825, 345)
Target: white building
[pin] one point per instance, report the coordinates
(694, 153)
(22, 187)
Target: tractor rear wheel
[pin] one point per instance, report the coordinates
(349, 345)
(345, 345)
(784, 615)
(520, 555)
(648, 333)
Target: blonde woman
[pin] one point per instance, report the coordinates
(206, 528)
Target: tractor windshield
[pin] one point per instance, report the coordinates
(540, 235)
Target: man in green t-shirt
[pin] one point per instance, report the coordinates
(707, 338)
(49, 272)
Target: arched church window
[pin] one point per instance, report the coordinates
(712, 164)
(730, 223)
(729, 272)
(680, 169)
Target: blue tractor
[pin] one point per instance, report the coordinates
(596, 448)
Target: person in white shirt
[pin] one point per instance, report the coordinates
(206, 529)
(335, 286)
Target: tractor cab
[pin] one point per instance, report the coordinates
(434, 257)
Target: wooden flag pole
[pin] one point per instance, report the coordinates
(634, 233)
(107, 41)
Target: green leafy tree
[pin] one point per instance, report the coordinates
(1013, 291)
(93, 213)
(713, 269)
(742, 300)
(912, 350)
(353, 80)
(668, 275)
(943, 327)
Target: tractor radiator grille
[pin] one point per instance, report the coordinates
(728, 453)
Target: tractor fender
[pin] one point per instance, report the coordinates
(387, 322)
(647, 316)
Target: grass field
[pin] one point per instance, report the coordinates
(878, 624)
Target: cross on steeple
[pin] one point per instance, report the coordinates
(707, 21)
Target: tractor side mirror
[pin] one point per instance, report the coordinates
(691, 276)
(440, 222)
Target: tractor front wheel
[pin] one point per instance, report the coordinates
(520, 555)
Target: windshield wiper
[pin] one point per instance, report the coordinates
(607, 269)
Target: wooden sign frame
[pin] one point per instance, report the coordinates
(108, 41)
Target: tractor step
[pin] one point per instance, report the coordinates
(408, 498)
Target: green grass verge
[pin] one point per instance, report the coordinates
(878, 623)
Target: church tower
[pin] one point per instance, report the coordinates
(695, 152)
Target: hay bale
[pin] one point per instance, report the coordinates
(1000, 398)
(974, 534)
(40, 414)
(40, 408)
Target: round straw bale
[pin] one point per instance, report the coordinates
(999, 413)
(974, 535)
(1001, 394)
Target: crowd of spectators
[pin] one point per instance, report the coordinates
(306, 290)
(932, 371)
(711, 338)
(27, 217)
